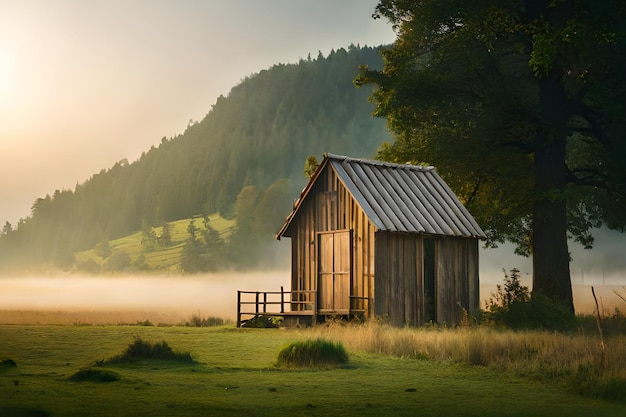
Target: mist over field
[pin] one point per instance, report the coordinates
(173, 299)
(77, 299)
(127, 299)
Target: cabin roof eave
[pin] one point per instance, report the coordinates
(285, 229)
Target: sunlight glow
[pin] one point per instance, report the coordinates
(8, 75)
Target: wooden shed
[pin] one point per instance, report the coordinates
(377, 239)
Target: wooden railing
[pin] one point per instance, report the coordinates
(300, 303)
(359, 305)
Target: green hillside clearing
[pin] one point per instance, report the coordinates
(162, 257)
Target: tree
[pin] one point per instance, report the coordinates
(519, 104)
(203, 250)
(166, 235)
(272, 208)
(103, 249)
(148, 238)
(118, 261)
(6, 229)
(310, 166)
(244, 243)
(213, 247)
(191, 255)
(192, 229)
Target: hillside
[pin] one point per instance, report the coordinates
(247, 153)
(132, 253)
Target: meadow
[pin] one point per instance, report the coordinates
(467, 371)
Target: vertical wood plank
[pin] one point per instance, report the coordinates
(341, 270)
(381, 280)
(419, 279)
(473, 279)
(410, 283)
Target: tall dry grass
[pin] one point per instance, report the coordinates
(577, 360)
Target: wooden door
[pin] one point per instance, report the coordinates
(334, 272)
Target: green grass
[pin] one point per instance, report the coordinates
(233, 374)
(160, 258)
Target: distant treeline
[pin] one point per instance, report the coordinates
(258, 136)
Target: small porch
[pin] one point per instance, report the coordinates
(292, 306)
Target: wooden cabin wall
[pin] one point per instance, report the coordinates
(456, 278)
(363, 257)
(399, 284)
(472, 265)
(330, 207)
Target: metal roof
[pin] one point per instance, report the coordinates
(400, 198)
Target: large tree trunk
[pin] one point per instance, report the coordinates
(551, 275)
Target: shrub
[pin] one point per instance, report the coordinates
(544, 313)
(612, 324)
(7, 364)
(141, 349)
(317, 353)
(262, 322)
(95, 375)
(90, 266)
(197, 321)
(140, 263)
(118, 261)
(513, 306)
(505, 297)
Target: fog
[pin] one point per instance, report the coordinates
(82, 300)
(127, 299)
(78, 299)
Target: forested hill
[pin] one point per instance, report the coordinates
(256, 138)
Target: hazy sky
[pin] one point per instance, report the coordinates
(84, 84)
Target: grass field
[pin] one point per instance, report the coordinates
(390, 372)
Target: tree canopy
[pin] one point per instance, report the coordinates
(520, 106)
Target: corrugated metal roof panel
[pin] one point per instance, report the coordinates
(405, 198)
(353, 188)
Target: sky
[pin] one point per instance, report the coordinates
(84, 84)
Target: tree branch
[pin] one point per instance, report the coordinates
(474, 191)
(595, 128)
(596, 179)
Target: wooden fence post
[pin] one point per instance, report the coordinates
(238, 308)
(314, 319)
(257, 303)
(282, 300)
